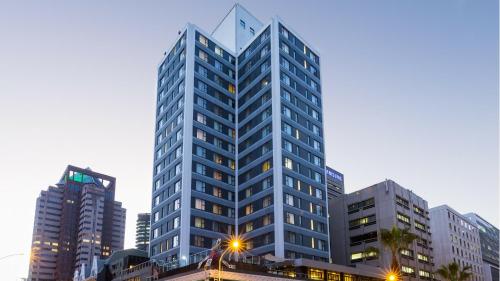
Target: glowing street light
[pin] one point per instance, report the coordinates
(235, 246)
(391, 276)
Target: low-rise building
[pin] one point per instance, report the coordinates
(358, 218)
(456, 239)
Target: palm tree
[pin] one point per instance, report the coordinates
(396, 239)
(452, 272)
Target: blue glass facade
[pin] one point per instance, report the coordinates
(239, 147)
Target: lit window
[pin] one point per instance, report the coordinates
(407, 270)
(177, 204)
(175, 241)
(266, 220)
(217, 192)
(231, 88)
(266, 166)
(203, 40)
(249, 226)
(219, 51)
(217, 209)
(289, 199)
(201, 135)
(177, 222)
(266, 202)
(203, 56)
(199, 204)
(288, 163)
(217, 175)
(248, 209)
(290, 218)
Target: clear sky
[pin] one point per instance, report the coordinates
(410, 92)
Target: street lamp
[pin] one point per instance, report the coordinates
(391, 276)
(234, 246)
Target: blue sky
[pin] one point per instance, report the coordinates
(410, 88)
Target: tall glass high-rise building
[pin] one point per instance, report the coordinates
(239, 146)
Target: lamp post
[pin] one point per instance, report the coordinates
(235, 246)
(11, 255)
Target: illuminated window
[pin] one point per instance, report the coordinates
(203, 56)
(266, 202)
(333, 276)
(289, 199)
(288, 163)
(177, 222)
(424, 274)
(217, 175)
(290, 218)
(199, 222)
(316, 274)
(177, 204)
(217, 159)
(203, 40)
(201, 135)
(266, 166)
(231, 88)
(406, 252)
(402, 218)
(175, 241)
(407, 270)
(249, 226)
(219, 51)
(422, 257)
(199, 204)
(248, 209)
(217, 192)
(217, 209)
(266, 220)
(201, 118)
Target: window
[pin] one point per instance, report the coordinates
(217, 192)
(420, 226)
(288, 163)
(199, 204)
(200, 151)
(287, 145)
(406, 253)
(177, 204)
(218, 65)
(290, 218)
(424, 274)
(202, 71)
(319, 193)
(231, 88)
(217, 209)
(217, 175)
(266, 220)
(219, 51)
(285, 48)
(201, 135)
(285, 79)
(289, 181)
(248, 226)
(316, 145)
(266, 166)
(242, 24)
(263, 52)
(177, 186)
(175, 241)
(287, 129)
(315, 114)
(407, 270)
(286, 111)
(199, 241)
(177, 222)
(402, 218)
(248, 209)
(266, 202)
(203, 56)
(423, 258)
(289, 199)
(252, 31)
(203, 40)
(315, 130)
(200, 169)
(200, 186)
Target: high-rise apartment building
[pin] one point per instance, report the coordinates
(455, 239)
(358, 218)
(239, 142)
(75, 220)
(489, 238)
(142, 230)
